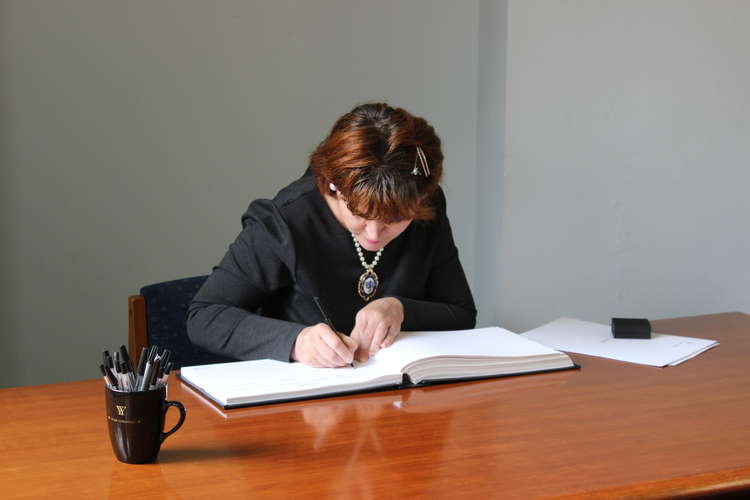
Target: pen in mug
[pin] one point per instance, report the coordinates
(165, 379)
(148, 371)
(153, 369)
(166, 355)
(109, 379)
(126, 375)
(158, 374)
(118, 375)
(165, 376)
(109, 366)
(121, 369)
(141, 366)
(146, 375)
(127, 365)
(157, 369)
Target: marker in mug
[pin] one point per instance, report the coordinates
(165, 376)
(122, 375)
(157, 380)
(116, 363)
(109, 379)
(141, 366)
(155, 369)
(166, 355)
(127, 365)
(125, 374)
(108, 364)
(148, 370)
(152, 373)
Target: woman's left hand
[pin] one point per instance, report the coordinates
(376, 326)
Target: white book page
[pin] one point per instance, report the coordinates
(594, 339)
(227, 381)
(482, 342)
(259, 380)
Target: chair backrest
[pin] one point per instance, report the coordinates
(157, 317)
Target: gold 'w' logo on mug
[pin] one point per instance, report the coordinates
(120, 410)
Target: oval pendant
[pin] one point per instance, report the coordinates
(367, 284)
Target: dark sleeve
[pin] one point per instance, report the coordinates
(221, 317)
(448, 303)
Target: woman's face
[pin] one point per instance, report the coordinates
(372, 235)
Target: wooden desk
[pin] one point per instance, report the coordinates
(609, 430)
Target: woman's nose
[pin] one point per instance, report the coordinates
(373, 230)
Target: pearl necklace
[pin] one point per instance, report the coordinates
(368, 282)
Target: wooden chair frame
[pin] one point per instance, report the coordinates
(137, 330)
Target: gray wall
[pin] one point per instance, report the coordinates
(134, 134)
(626, 162)
(603, 142)
(493, 32)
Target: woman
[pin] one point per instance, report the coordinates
(364, 230)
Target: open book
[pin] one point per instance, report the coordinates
(415, 358)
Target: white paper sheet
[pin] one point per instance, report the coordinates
(594, 339)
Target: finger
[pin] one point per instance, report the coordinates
(337, 351)
(358, 331)
(304, 348)
(351, 344)
(390, 338)
(362, 353)
(361, 335)
(313, 358)
(314, 362)
(318, 353)
(326, 357)
(380, 333)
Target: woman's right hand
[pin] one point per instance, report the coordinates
(321, 347)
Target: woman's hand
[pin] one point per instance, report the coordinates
(376, 326)
(321, 347)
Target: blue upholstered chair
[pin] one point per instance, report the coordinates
(157, 317)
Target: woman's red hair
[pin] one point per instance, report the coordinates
(370, 155)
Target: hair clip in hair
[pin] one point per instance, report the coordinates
(422, 162)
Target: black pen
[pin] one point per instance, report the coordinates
(108, 377)
(118, 373)
(141, 367)
(167, 369)
(166, 355)
(155, 369)
(148, 370)
(159, 372)
(328, 321)
(127, 365)
(108, 363)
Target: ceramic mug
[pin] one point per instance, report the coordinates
(136, 423)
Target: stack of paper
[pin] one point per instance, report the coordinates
(594, 339)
